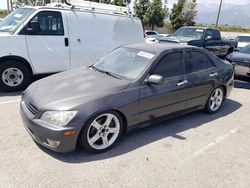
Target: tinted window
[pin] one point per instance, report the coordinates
(197, 61)
(47, 23)
(170, 65)
(151, 33)
(245, 50)
(243, 39)
(215, 34)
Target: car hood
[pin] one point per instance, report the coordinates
(179, 39)
(70, 89)
(239, 57)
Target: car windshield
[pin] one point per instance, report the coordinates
(243, 38)
(13, 21)
(125, 63)
(245, 50)
(190, 32)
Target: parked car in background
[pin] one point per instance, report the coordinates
(133, 85)
(243, 41)
(150, 32)
(241, 60)
(208, 38)
(41, 40)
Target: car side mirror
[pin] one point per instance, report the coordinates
(208, 37)
(155, 79)
(34, 28)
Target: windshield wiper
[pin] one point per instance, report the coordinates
(106, 72)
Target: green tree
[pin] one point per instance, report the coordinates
(183, 13)
(119, 2)
(18, 3)
(190, 12)
(177, 18)
(155, 14)
(140, 8)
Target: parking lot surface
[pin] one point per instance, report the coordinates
(195, 150)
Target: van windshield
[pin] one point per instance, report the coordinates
(13, 21)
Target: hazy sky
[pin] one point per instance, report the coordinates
(3, 2)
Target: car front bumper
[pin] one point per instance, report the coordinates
(52, 137)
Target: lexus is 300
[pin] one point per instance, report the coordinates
(133, 85)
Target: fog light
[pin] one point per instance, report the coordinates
(53, 143)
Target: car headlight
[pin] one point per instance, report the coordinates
(59, 118)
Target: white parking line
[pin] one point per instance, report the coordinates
(207, 147)
(6, 102)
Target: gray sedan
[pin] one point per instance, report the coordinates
(135, 85)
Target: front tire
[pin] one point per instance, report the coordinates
(215, 100)
(14, 76)
(101, 132)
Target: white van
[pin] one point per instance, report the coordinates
(41, 40)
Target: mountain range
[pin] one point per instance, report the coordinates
(231, 14)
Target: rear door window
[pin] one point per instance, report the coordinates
(197, 61)
(170, 65)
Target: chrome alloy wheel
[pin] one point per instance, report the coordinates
(103, 131)
(12, 77)
(216, 99)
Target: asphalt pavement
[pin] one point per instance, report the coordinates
(195, 150)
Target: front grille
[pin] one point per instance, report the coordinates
(30, 106)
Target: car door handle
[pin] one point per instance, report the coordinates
(66, 41)
(213, 74)
(181, 83)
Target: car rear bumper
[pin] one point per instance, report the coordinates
(47, 135)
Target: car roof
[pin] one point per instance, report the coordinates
(160, 47)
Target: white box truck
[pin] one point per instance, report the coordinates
(60, 37)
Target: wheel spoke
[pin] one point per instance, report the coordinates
(109, 119)
(213, 105)
(216, 93)
(94, 139)
(96, 125)
(105, 140)
(113, 130)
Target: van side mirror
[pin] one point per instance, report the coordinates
(34, 28)
(155, 79)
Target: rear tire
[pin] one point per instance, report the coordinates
(14, 76)
(215, 100)
(101, 132)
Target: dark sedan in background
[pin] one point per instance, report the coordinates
(133, 85)
(241, 60)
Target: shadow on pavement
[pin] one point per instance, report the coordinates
(147, 135)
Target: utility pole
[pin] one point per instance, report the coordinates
(8, 6)
(218, 16)
(11, 5)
